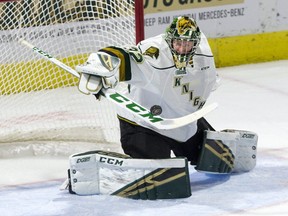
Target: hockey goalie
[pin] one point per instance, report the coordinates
(172, 75)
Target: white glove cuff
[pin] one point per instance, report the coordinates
(89, 84)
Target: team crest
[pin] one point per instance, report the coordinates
(152, 52)
(184, 24)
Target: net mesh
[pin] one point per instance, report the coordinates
(40, 101)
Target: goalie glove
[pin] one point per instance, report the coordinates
(100, 71)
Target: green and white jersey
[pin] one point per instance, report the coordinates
(153, 79)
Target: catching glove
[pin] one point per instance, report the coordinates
(100, 71)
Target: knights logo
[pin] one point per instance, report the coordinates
(152, 52)
(185, 24)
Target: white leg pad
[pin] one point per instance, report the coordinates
(242, 143)
(103, 172)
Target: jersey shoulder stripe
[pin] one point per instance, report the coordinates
(125, 65)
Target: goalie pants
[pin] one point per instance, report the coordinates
(140, 142)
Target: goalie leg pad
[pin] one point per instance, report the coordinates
(215, 156)
(102, 172)
(241, 144)
(244, 148)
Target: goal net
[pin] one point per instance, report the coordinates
(38, 100)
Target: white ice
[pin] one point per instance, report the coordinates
(251, 97)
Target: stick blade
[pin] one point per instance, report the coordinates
(168, 124)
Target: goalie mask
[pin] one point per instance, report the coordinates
(183, 37)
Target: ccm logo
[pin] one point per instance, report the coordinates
(111, 161)
(249, 136)
(82, 160)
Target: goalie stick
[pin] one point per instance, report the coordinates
(141, 112)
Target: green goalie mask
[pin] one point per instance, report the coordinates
(183, 30)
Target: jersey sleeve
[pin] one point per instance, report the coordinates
(125, 65)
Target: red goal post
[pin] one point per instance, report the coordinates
(39, 101)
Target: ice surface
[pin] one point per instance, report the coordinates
(251, 97)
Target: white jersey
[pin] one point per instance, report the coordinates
(154, 81)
